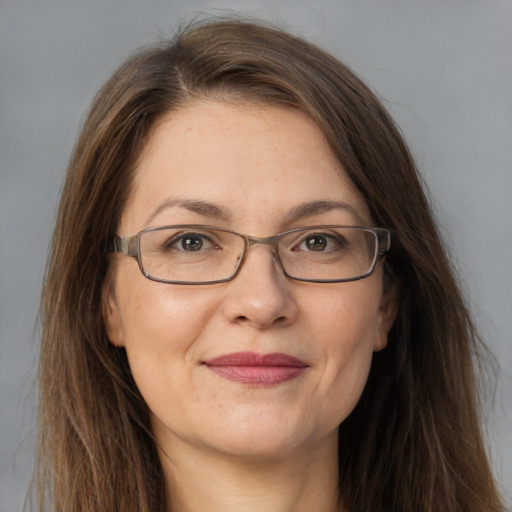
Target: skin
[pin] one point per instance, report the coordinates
(226, 445)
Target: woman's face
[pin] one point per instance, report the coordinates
(247, 169)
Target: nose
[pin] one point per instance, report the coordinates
(260, 294)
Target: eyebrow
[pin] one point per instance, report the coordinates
(317, 207)
(204, 208)
(303, 210)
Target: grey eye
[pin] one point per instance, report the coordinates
(191, 243)
(316, 243)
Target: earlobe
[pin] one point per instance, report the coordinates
(388, 310)
(111, 316)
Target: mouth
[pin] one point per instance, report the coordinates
(255, 369)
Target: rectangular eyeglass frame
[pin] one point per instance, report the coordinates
(130, 246)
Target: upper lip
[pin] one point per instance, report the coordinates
(255, 359)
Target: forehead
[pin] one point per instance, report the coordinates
(252, 161)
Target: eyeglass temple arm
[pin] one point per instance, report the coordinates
(124, 245)
(384, 241)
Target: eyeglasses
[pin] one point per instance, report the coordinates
(192, 254)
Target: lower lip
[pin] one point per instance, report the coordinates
(258, 375)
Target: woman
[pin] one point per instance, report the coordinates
(247, 304)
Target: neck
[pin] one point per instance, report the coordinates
(200, 480)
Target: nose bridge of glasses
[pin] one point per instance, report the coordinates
(271, 241)
(252, 241)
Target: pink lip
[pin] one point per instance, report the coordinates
(257, 369)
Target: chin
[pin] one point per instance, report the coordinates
(259, 448)
(266, 440)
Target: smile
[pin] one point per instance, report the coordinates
(257, 369)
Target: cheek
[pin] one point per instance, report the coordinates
(161, 326)
(345, 326)
(344, 318)
(158, 313)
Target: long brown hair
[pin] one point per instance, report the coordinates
(413, 442)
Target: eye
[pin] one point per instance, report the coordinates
(190, 242)
(315, 243)
(319, 242)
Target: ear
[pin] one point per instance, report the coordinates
(111, 315)
(388, 309)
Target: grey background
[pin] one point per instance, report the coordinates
(443, 68)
